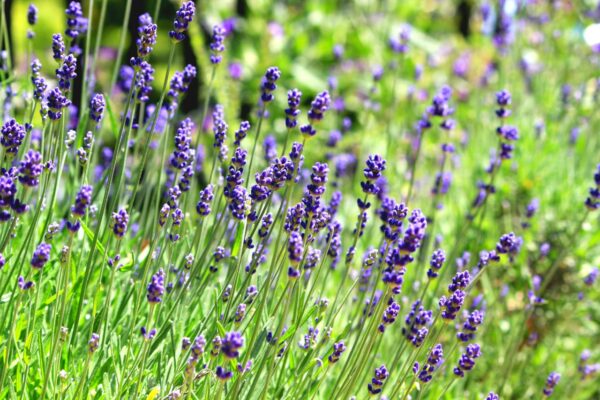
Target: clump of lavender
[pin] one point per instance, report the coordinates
(39, 83)
(451, 306)
(295, 252)
(506, 133)
(146, 40)
(206, 197)
(56, 103)
(587, 371)
(318, 107)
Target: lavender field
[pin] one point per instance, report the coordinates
(322, 199)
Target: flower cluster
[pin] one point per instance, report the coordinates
(379, 377)
(435, 359)
(183, 17)
(467, 360)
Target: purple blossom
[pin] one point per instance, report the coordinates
(156, 287)
(119, 222)
(183, 17)
(268, 84)
(41, 255)
(13, 135)
(231, 344)
(551, 383)
(97, 105)
(467, 360)
(379, 377)
(216, 45)
(435, 359)
(30, 169)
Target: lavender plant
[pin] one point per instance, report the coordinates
(348, 240)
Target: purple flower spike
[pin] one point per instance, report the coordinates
(216, 45)
(338, 349)
(58, 47)
(435, 359)
(268, 84)
(437, 261)
(183, 17)
(146, 36)
(97, 105)
(56, 102)
(467, 360)
(119, 222)
(156, 287)
(379, 377)
(30, 169)
(551, 383)
(232, 343)
(293, 110)
(470, 326)
(13, 135)
(41, 255)
(82, 201)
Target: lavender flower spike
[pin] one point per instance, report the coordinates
(183, 17)
(551, 383)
